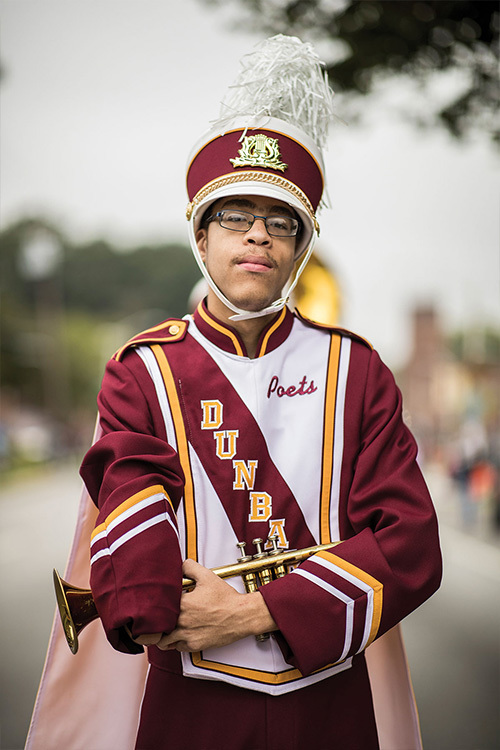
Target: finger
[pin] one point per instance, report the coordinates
(168, 642)
(151, 639)
(192, 569)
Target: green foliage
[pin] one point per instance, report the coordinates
(100, 278)
(477, 346)
(373, 40)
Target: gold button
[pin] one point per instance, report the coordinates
(174, 330)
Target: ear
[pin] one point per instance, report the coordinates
(201, 241)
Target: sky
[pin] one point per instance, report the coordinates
(102, 101)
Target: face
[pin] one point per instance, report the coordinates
(250, 268)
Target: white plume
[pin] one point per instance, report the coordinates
(282, 78)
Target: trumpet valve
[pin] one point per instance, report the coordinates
(281, 569)
(275, 550)
(260, 552)
(266, 574)
(243, 558)
(251, 581)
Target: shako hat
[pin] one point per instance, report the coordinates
(267, 141)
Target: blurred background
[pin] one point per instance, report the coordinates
(101, 104)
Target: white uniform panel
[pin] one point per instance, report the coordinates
(285, 420)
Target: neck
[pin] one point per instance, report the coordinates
(248, 330)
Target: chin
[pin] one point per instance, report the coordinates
(253, 305)
(253, 302)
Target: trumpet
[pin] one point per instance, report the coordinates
(77, 607)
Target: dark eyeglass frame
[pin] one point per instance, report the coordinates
(220, 216)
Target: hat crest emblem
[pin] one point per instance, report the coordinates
(259, 151)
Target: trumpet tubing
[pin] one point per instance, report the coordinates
(292, 557)
(77, 607)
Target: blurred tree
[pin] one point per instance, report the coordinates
(480, 345)
(101, 278)
(26, 291)
(56, 315)
(366, 42)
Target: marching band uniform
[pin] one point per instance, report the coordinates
(283, 443)
(200, 447)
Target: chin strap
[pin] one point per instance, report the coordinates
(240, 314)
(274, 308)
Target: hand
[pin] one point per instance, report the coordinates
(213, 614)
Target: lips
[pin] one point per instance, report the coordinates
(255, 263)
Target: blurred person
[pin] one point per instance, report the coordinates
(470, 450)
(245, 421)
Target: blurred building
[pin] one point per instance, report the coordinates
(449, 383)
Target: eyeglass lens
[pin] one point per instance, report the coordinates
(241, 221)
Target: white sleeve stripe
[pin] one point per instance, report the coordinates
(341, 572)
(338, 440)
(98, 555)
(128, 513)
(349, 616)
(356, 582)
(152, 367)
(134, 532)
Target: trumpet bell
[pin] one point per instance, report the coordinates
(76, 608)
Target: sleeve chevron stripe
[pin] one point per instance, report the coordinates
(132, 504)
(107, 536)
(365, 582)
(348, 601)
(131, 534)
(361, 595)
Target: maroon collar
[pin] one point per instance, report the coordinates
(227, 338)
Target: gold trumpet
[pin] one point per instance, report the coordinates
(77, 607)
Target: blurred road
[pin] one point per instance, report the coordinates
(37, 517)
(453, 641)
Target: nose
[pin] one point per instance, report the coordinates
(258, 233)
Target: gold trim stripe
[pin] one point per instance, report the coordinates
(183, 450)
(376, 586)
(221, 329)
(133, 500)
(271, 331)
(328, 438)
(138, 339)
(269, 678)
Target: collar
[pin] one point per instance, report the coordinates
(226, 337)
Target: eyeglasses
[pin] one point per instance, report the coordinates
(242, 221)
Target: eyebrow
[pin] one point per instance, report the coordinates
(245, 203)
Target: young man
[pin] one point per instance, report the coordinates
(242, 423)
(225, 427)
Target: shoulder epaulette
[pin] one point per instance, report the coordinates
(168, 332)
(334, 329)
